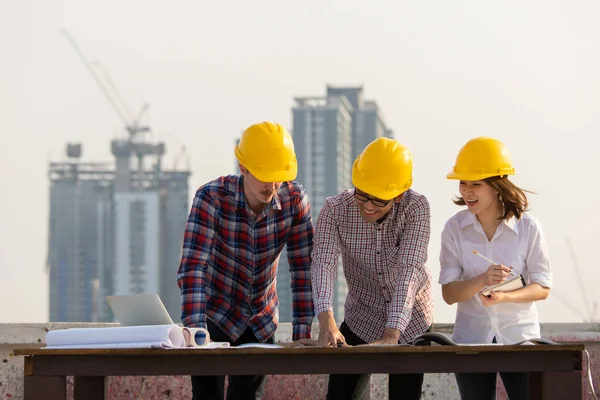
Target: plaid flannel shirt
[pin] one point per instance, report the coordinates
(389, 285)
(229, 261)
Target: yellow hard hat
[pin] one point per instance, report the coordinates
(482, 158)
(384, 169)
(266, 149)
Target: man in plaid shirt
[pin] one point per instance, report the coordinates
(381, 230)
(236, 230)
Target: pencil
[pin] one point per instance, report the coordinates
(485, 258)
(490, 261)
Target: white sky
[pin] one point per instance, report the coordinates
(527, 73)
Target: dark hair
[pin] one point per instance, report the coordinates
(512, 197)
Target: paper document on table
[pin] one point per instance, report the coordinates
(134, 337)
(258, 346)
(164, 336)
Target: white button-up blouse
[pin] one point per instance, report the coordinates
(516, 243)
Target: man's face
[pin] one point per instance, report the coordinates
(371, 208)
(258, 192)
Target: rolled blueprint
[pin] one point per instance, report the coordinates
(196, 337)
(165, 336)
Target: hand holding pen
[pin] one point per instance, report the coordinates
(496, 273)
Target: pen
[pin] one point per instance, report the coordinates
(485, 258)
(489, 260)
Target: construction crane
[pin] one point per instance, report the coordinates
(123, 150)
(132, 125)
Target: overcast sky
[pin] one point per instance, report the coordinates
(442, 72)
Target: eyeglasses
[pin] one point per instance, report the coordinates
(360, 196)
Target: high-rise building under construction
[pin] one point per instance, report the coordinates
(114, 230)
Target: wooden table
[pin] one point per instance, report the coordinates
(555, 369)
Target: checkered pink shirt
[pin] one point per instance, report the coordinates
(389, 285)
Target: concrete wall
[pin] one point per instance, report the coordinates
(279, 387)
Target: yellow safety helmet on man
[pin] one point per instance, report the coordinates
(482, 158)
(267, 150)
(384, 169)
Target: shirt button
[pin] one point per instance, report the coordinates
(377, 252)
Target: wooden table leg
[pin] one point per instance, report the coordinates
(556, 385)
(45, 387)
(536, 386)
(563, 385)
(42, 387)
(90, 387)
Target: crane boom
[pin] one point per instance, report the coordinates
(102, 87)
(132, 127)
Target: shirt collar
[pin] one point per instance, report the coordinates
(275, 203)
(512, 224)
(469, 219)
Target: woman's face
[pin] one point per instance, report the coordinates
(480, 197)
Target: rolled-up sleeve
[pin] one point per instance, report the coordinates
(325, 255)
(450, 267)
(412, 260)
(197, 242)
(538, 261)
(299, 247)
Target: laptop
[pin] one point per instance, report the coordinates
(139, 309)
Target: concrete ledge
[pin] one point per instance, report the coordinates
(279, 387)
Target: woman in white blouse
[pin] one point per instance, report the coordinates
(496, 225)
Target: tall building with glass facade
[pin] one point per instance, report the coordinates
(114, 229)
(329, 132)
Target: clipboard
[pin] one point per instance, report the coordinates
(507, 286)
